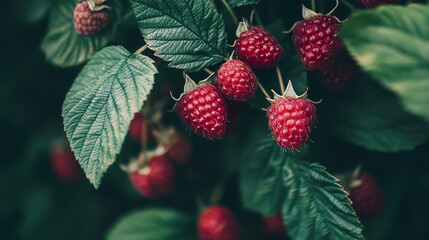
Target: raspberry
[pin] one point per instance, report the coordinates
(290, 118)
(218, 223)
(258, 48)
(236, 80)
(376, 3)
(274, 226)
(89, 22)
(203, 109)
(136, 127)
(340, 76)
(367, 198)
(316, 40)
(65, 166)
(155, 180)
(180, 149)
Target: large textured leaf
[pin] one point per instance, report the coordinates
(314, 206)
(237, 3)
(63, 45)
(189, 33)
(372, 118)
(101, 103)
(391, 43)
(154, 224)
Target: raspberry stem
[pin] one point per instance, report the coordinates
(279, 76)
(230, 11)
(313, 5)
(141, 49)
(210, 72)
(218, 191)
(262, 88)
(257, 17)
(348, 5)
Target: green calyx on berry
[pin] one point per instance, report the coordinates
(191, 85)
(242, 27)
(290, 93)
(308, 14)
(97, 5)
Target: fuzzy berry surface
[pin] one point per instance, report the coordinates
(376, 3)
(89, 23)
(204, 111)
(340, 76)
(218, 223)
(273, 226)
(290, 121)
(317, 42)
(258, 48)
(367, 199)
(156, 180)
(65, 166)
(236, 80)
(180, 149)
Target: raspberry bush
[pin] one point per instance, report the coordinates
(223, 120)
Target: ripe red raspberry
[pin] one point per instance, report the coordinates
(180, 149)
(340, 76)
(155, 180)
(203, 109)
(236, 80)
(90, 22)
(65, 166)
(316, 40)
(290, 118)
(274, 226)
(367, 198)
(376, 3)
(258, 48)
(218, 223)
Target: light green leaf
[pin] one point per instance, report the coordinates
(237, 3)
(189, 33)
(154, 224)
(391, 44)
(314, 206)
(101, 103)
(370, 117)
(64, 46)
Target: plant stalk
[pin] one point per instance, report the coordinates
(262, 88)
(230, 11)
(279, 76)
(141, 49)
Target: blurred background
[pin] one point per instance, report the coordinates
(37, 204)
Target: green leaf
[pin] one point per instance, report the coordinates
(101, 103)
(391, 44)
(373, 118)
(237, 3)
(154, 224)
(64, 46)
(189, 33)
(314, 206)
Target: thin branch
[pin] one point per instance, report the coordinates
(348, 5)
(141, 49)
(230, 11)
(279, 76)
(262, 88)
